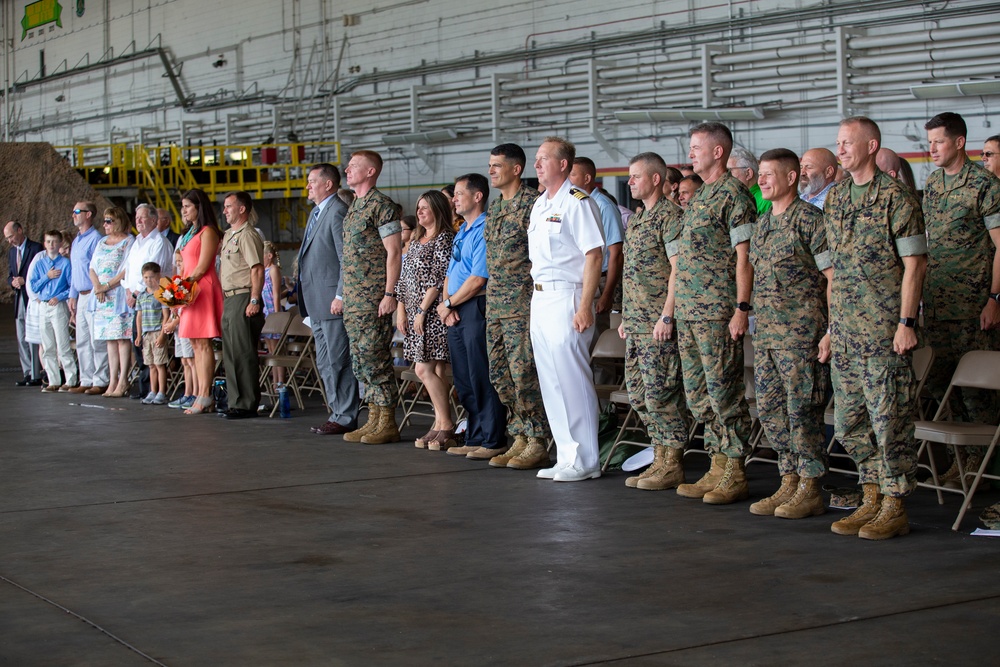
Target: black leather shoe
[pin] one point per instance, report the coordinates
(23, 382)
(37, 382)
(234, 413)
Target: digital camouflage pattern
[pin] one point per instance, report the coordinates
(712, 367)
(866, 241)
(508, 291)
(959, 214)
(791, 398)
(788, 253)
(368, 220)
(656, 388)
(646, 269)
(508, 314)
(874, 398)
(719, 217)
(513, 375)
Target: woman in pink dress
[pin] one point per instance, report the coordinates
(202, 320)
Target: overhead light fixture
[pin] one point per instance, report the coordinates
(730, 113)
(431, 137)
(934, 91)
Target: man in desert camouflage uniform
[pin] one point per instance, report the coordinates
(790, 258)
(371, 265)
(961, 310)
(879, 252)
(652, 363)
(714, 280)
(508, 307)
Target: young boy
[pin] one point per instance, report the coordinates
(149, 317)
(50, 281)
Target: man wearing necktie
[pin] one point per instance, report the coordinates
(22, 251)
(321, 290)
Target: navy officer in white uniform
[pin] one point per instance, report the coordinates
(566, 248)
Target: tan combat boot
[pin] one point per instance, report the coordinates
(355, 436)
(807, 501)
(385, 431)
(659, 453)
(732, 487)
(534, 455)
(869, 509)
(501, 460)
(890, 522)
(784, 493)
(708, 481)
(668, 475)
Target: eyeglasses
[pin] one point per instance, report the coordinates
(989, 154)
(78, 211)
(108, 221)
(456, 249)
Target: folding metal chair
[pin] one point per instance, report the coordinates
(609, 352)
(303, 362)
(976, 370)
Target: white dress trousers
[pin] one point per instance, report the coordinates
(561, 232)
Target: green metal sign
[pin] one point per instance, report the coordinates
(37, 14)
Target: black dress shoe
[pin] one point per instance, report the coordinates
(37, 382)
(234, 413)
(23, 382)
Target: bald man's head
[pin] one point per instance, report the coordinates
(888, 161)
(818, 170)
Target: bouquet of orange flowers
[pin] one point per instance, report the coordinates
(176, 292)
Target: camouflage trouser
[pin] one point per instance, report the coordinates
(512, 372)
(656, 389)
(791, 387)
(712, 365)
(950, 340)
(874, 402)
(370, 337)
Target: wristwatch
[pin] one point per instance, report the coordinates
(995, 297)
(392, 294)
(254, 302)
(666, 319)
(744, 306)
(908, 321)
(447, 304)
(420, 311)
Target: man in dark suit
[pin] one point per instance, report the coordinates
(320, 297)
(22, 251)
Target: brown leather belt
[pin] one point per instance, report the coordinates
(82, 292)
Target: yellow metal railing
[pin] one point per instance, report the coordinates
(271, 168)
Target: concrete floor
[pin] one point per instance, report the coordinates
(132, 535)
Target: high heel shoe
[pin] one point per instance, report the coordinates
(422, 441)
(117, 393)
(442, 440)
(200, 405)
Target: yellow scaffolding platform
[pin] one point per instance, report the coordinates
(161, 174)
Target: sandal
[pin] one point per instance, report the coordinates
(442, 440)
(421, 442)
(200, 405)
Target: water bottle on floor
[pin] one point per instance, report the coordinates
(284, 402)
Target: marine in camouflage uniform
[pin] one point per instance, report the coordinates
(369, 220)
(508, 307)
(719, 217)
(789, 252)
(874, 388)
(652, 367)
(959, 212)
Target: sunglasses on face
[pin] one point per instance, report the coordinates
(78, 211)
(108, 221)
(988, 154)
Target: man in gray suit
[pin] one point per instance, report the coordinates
(321, 297)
